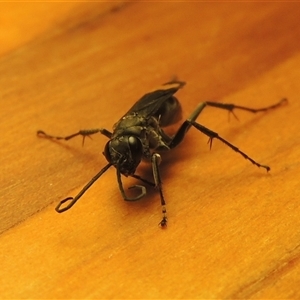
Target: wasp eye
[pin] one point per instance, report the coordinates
(106, 152)
(135, 145)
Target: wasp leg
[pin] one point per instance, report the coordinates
(121, 188)
(184, 128)
(155, 160)
(213, 135)
(142, 179)
(231, 107)
(84, 133)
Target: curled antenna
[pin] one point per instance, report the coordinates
(72, 200)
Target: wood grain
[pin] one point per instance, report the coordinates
(233, 229)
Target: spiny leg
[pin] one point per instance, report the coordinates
(213, 135)
(231, 107)
(185, 127)
(84, 133)
(155, 160)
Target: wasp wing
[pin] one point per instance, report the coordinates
(151, 103)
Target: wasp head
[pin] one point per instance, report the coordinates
(125, 153)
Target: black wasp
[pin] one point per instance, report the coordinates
(139, 135)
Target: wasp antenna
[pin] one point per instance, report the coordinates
(78, 196)
(58, 207)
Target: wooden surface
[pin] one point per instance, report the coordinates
(234, 230)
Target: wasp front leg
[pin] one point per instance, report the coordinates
(155, 161)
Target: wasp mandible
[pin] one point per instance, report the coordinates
(139, 135)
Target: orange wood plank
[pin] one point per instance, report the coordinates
(233, 229)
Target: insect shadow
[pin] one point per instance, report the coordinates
(139, 135)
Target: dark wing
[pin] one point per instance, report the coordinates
(150, 103)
